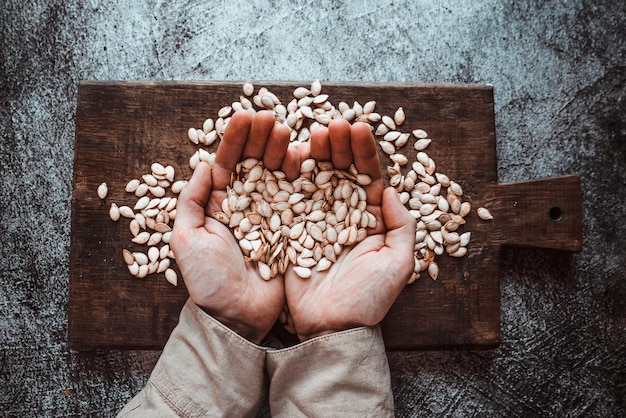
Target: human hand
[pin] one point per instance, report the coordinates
(366, 279)
(216, 275)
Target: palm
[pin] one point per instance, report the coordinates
(340, 296)
(220, 279)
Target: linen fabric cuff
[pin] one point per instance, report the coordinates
(206, 369)
(341, 374)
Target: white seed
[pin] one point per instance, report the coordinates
(455, 188)
(134, 227)
(169, 173)
(420, 134)
(402, 140)
(164, 264)
(132, 185)
(224, 111)
(157, 191)
(460, 252)
(316, 88)
(178, 186)
(465, 238)
(465, 209)
(324, 264)
(103, 190)
(387, 147)
(133, 268)
(140, 258)
(302, 272)
(208, 125)
(192, 134)
(171, 277)
(143, 271)
(264, 271)
(155, 238)
(399, 116)
(382, 129)
(141, 238)
(391, 136)
(141, 190)
(128, 257)
(389, 122)
(162, 227)
(306, 262)
(369, 107)
(142, 203)
(150, 180)
(248, 88)
(114, 212)
(399, 158)
(164, 251)
(433, 270)
(374, 117)
(484, 214)
(157, 169)
(153, 254)
(301, 92)
(349, 114)
(363, 179)
(423, 158)
(126, 212)
(442, 179)
(421, 144)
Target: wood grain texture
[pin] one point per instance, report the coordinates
(122, 127)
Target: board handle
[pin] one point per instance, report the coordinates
(544, 213)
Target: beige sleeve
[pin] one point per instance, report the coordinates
(205, 369)
(342, 374)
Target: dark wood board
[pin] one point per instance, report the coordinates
(123, 127)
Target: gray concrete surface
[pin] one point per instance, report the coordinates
(559, 73)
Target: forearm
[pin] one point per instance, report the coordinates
(205, 369)
(341, 374)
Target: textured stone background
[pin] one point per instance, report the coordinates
(559, 73)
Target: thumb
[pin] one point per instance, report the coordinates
(400, 224)
(192, 201)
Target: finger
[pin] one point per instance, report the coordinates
(262, 124)
(365, 154)
(400, 236)
(276, 147)
(190, 209)
(304, 150)
(320, 144)
(231, 148)
(364, 150)
(291, 163)
(339, 134)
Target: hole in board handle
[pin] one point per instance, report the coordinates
(556, 213)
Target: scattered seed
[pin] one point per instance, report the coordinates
(484, 214)
(248, 88)
(102, 191)
(114, 212)
(399, 116)
(171, 277)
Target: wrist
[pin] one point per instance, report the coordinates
(315, 334)
(249, 332)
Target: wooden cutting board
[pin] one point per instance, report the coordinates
(123, 127)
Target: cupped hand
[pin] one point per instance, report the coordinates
(366, 279)
(216, 275)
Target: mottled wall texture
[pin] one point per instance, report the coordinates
(559, 73)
